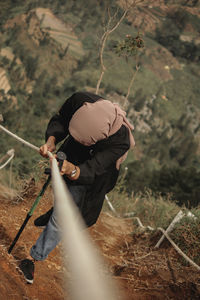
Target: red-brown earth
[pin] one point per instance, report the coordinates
(139, 271)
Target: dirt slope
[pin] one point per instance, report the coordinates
(139, 271)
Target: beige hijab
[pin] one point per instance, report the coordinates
(93, 122)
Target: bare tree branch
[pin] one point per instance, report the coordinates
(103, 44)
(130, 85)
(128, 5)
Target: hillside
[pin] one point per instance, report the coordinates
(48, 51)
(140, 271)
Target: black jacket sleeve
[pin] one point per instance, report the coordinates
(59, 123)
(113, 148)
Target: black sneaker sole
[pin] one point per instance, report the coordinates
(26, 267)
(28, 281)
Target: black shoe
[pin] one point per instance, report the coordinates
(27, 268)
(43, 219)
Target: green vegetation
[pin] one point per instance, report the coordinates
(156, 211)
(186, 235)
(164, 100)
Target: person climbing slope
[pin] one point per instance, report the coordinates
(99, 137)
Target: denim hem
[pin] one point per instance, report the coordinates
(36, 256)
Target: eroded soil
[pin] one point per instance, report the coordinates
(139, 271)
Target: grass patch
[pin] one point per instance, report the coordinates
(153, 210)
(157, 211)
(186, 235)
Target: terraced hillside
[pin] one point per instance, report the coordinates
(4, 83)
(59, 31)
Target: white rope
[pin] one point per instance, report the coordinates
(191, 215)
(19, 139)
(129, 215)
(82, 256)
(88, 278)
(111, 206)
(141, 225)
(11, 153)
(23, 141)
(165, 234)
(126, 215)
(177, 218)
(179, 250)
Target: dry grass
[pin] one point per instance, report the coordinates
(7, 189)
(12, 190)
(157, 211)
(7, 193)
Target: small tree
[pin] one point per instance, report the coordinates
(128, 47)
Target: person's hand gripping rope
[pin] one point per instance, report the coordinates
(68, 169)
(49, 146)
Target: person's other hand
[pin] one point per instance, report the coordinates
(49, 146)
(67, 169)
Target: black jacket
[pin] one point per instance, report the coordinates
(97, 163)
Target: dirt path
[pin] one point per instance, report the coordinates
(139, 271)
(48, 274)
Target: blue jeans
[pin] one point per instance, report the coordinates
(50, 236)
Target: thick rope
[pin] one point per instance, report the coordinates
(179, 250)
(177, 218)
(141, 225)
(89, 281)
(129, 215)
(82, 256)
(111, 206)
(23, 141)
(88, 278)
(19, 139)
(11, 153)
